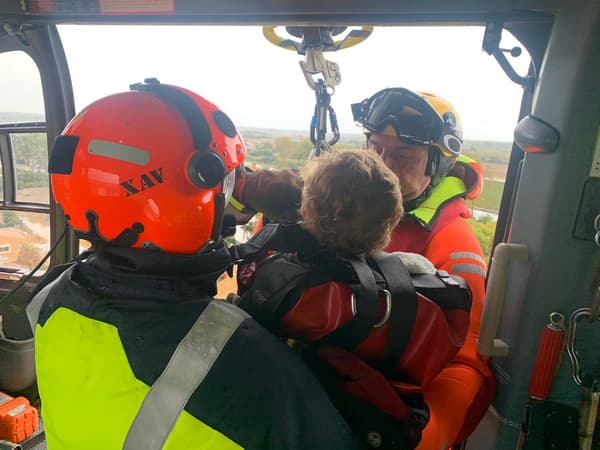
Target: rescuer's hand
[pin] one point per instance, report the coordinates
(275, 193)
(363, 381)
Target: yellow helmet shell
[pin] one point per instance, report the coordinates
(447, 112)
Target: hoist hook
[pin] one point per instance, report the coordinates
(315, 63)
(314, 42)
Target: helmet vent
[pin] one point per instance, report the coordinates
(224, 123)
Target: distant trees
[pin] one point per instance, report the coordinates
(279, 152)
(11, 219)
(488, 151)
(484, 229)
(288, 151)
(490, 198)
(30, 149)
(292, 153)
(263, 154)
(29, 255)
(31, 178)
(31, 158)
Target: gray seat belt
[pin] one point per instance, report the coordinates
(190, 363)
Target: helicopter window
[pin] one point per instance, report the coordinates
(262, 88)
(24, 211)
(1, 182)
(20, 89)
(30, 153)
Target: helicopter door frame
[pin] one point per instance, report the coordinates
(42, 43)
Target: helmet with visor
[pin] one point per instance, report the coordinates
(416, 119)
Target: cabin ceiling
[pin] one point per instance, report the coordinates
(284, 12)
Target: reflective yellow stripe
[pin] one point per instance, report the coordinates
(239, 206)
(188, 367)
(91, 395)
(457, 269)
(468, 255)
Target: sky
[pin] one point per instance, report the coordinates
(260, 85)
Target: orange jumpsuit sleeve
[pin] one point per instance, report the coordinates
(459, 396)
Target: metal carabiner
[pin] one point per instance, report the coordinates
(317, 138)
(576, 316)
(318, 125)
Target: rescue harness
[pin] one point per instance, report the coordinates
(406, 326)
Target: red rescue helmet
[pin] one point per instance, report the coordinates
(150, 168)
(418, 118)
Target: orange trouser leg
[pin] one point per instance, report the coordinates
(449, 397)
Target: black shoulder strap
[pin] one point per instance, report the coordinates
(286, 238)
(279, 278)
(352, 333)
(404, 306)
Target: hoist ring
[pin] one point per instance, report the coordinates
(287, 44)
(557, 321)
(388, 308)
(348, 42)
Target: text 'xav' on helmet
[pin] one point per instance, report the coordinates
(415, 118)
(150, 168)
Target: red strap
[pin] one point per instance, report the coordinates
(363, 381)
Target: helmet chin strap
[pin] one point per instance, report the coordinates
(217, 229)
(433, 161)
(216, 236)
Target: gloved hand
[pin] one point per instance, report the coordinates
(275, 193)
(363, 381)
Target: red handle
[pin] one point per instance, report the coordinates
(546, 361)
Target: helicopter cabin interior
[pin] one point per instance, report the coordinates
(544, 269)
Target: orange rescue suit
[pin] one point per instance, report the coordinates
(459, 396)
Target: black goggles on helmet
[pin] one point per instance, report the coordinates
(413, 119)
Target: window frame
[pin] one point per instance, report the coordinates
(9, 185)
